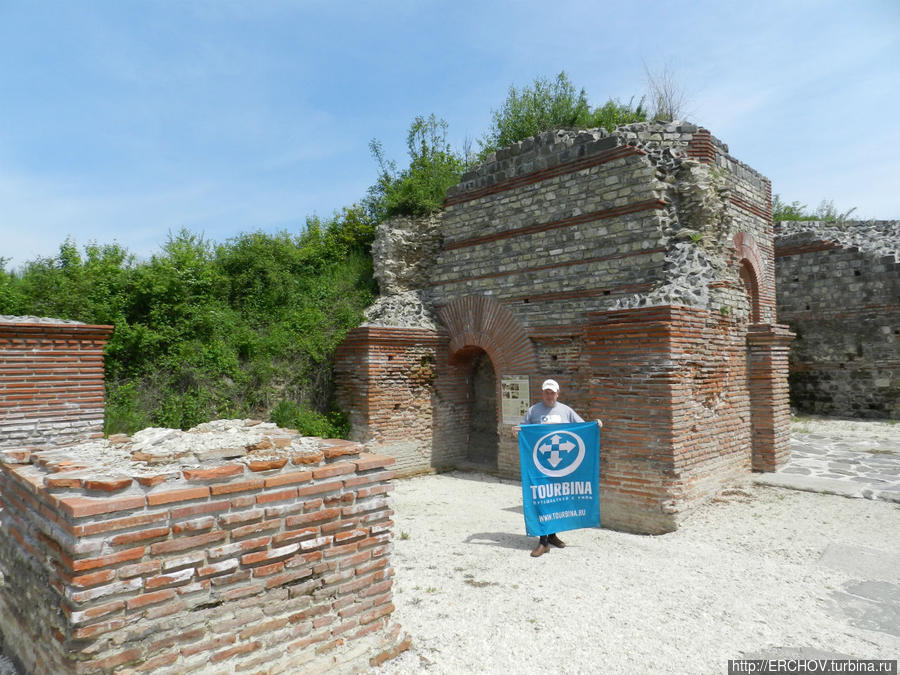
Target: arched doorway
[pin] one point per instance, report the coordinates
(486, 344)
(751, 290)
(483, 437)
(750, 271)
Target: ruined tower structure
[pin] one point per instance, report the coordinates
(839, 290)
(635, 267)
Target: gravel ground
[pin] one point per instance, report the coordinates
(758, 571)
(744, 575)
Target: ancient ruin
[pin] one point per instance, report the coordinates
(839, 290)
(233, 547)
(51, 381)
(635, 267)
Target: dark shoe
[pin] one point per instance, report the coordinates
(539, 550)
(556, 541)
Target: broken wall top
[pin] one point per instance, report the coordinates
(570, 222)
(879, 238)
(666, 143)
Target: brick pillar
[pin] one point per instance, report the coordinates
(51, 382)
(701, 147)
(670, 384)
(385, 380)
(631, 390)
(768, 351)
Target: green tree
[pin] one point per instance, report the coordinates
(70, 285)
(825, 212)
(11, 301)
(421, 187)
(613, 114)
(552, 104)
(204, 331)
(546, 104)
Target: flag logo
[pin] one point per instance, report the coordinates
(558, 453)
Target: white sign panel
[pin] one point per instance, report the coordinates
(515, 398)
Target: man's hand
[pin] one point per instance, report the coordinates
(599, 423)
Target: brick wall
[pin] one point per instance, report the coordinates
(672, 383)
(839, 290)
(51, 381)
(630, 267)
(267, 559)
(385, 381)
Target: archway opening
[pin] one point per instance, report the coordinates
(482, 395)
(751, 290)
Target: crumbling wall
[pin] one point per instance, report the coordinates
(386, 382)
(403, 254)
(234, 547)
(385, 369)
(839, 290)
(575, 222)
(654, 226)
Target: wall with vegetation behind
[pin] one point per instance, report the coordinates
(244, 328)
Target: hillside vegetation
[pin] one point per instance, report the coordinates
(249, 327)
(203, 331)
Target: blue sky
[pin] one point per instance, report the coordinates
(126, 120)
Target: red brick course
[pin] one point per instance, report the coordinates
(172, 558)
(51, 383)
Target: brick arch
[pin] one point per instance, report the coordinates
(751, 271)
(480, 321)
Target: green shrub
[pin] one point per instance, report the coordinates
(420, 189)
(205, 331)
(290, 415)
(547, 105)
(826, 211)
(124, 414)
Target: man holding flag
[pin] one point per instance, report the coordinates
(560, 469)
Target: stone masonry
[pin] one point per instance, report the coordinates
(635, 267)
(234, 547)
(839, 290)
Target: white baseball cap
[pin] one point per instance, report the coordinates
(552, 385)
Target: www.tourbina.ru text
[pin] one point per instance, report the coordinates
(562, 514)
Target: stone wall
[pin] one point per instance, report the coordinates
(51, 381)
(654, 232)
(839, 290)
(568, 223)
(235, 547)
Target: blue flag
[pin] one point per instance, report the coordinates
(560, 471)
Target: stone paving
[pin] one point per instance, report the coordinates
(850, 458)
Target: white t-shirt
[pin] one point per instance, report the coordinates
(558, 414)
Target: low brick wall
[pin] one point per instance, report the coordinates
(51, 381)
(270, 556)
